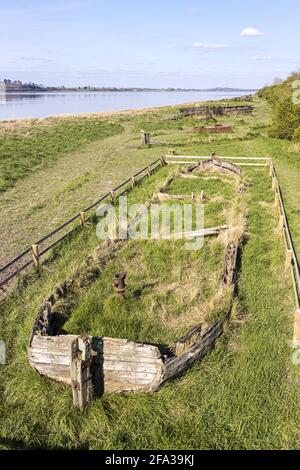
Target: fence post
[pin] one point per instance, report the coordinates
(82, 216)
(133, 182)
(162, 161)
(149, 171)
(271, 168)
(113, 196)
(281, 222)
(296, 340)
(289, 259)
(35, 255)
(276, 202)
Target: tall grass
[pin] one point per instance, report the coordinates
(244, 395)
(23, 151)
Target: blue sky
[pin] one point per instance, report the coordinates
(153, 43)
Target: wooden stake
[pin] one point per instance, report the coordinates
(281, 222)
(296, 340)
(162, 161)
(289, 259)
(35, 255)
(149, 171)
(81, 377)
(271, 168)
(82, 218)
(145, 138)
(276, 202)
(133, 181)
(274, 184)
(112, 195)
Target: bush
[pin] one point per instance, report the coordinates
(286, 114)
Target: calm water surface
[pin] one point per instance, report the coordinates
(39, 105)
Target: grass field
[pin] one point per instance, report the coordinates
(245, 394)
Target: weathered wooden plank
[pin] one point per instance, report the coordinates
(130, 367)
(128, 359)
(52, 343)
(44, 358)
(57, 372)
(80, 371)
(125, 347)
(130, 377)
(176, 366)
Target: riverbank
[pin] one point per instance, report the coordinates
(74, 158)
(40, 105)
(242, 396)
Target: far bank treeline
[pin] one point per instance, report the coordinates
(284, 99)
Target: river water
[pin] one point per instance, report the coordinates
(39, 105)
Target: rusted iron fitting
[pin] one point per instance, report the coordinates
(119, 284)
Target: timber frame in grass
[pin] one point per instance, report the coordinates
(96, 365)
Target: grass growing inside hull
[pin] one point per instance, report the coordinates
(169, 290)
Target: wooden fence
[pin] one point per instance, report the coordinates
(291, 257)
(33, 253)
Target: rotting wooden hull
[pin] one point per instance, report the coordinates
(112, 365)
(94, 365)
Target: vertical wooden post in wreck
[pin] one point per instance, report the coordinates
(81, 375)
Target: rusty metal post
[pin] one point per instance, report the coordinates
(120, 285)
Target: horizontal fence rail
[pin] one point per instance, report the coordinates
(291, 257)
(241, 161)
(32, 254)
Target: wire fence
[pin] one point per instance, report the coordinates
(260, 162)
(33, 253)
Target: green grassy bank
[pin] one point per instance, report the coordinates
(243, 395)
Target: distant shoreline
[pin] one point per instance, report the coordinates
(107, 113)
(133, 90)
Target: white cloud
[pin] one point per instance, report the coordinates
(261, 57)
(251, 32)
(206, 46)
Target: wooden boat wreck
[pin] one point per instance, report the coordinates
(94, 365)
(217, 129)
(216, 111)
(215, 164)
